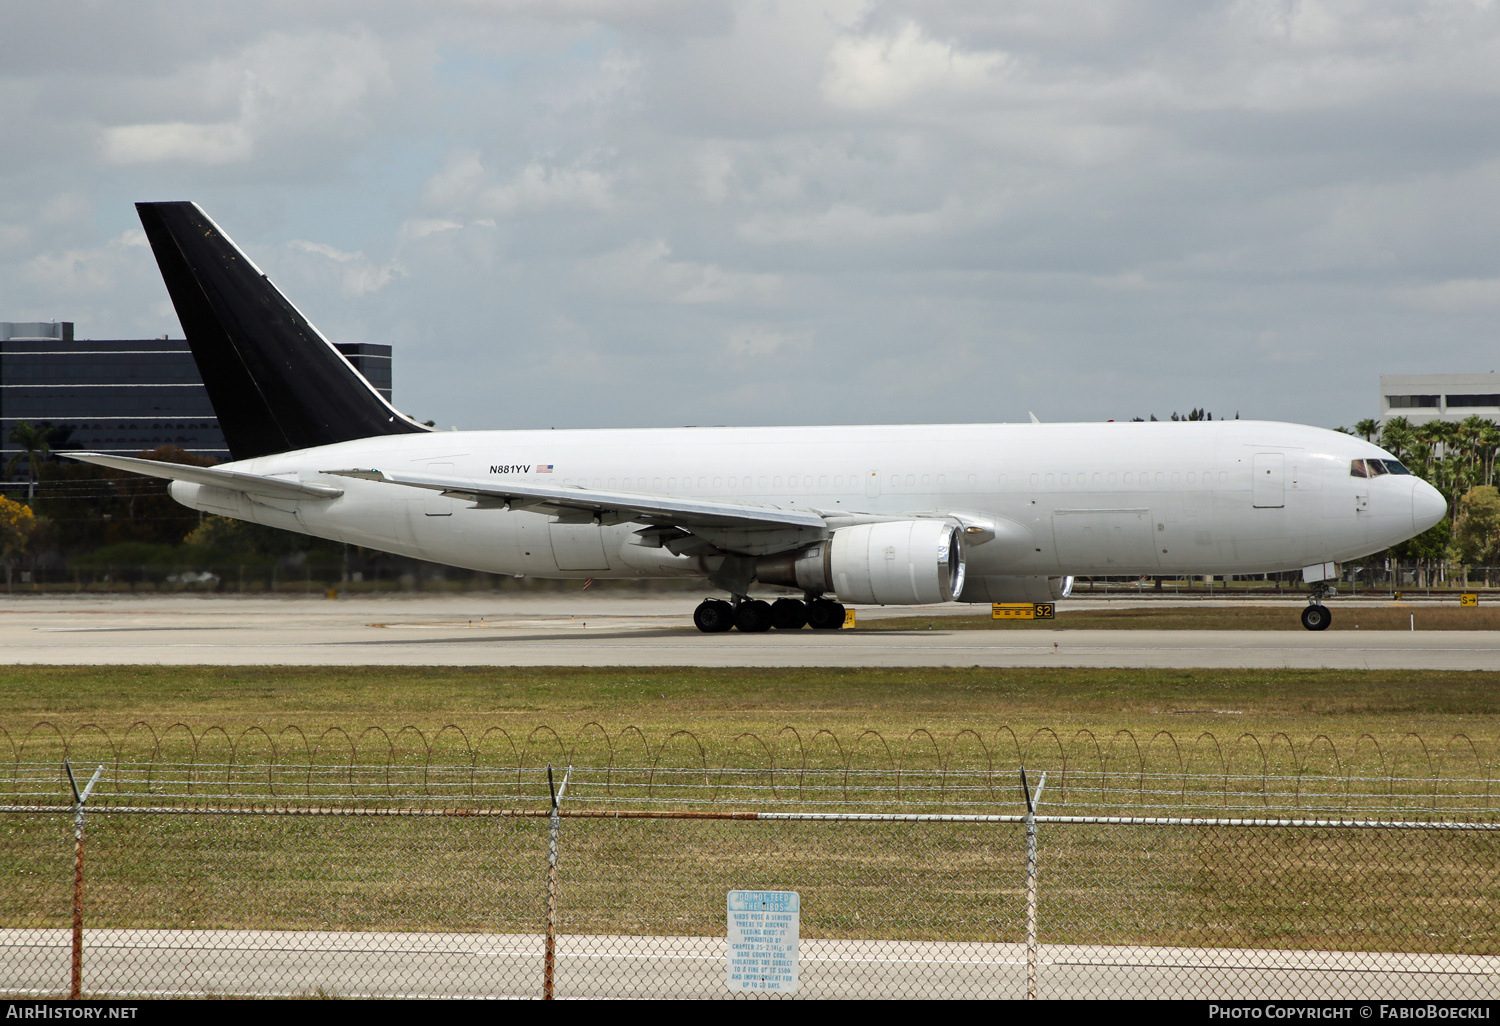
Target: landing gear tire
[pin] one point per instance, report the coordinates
(788, 614)
(823, 615)
(1316, 618)
(713, 616)
(753, 616)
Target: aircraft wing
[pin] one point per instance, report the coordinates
(234, 480)
(605, 506)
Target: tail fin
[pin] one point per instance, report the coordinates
(275, 382)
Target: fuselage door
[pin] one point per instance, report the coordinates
(1104, 541)
(1268, 485)
(578, 546)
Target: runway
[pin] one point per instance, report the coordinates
(581, 630)
(268, 963)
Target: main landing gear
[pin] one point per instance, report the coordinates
(714, 616)
(1317, 616)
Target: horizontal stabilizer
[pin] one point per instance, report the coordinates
(214, 477)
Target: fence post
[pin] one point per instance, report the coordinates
(76, 988)
(550, 958)
(1031, 944)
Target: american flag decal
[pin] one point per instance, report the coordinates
(544, 468)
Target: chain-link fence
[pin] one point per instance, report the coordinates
(615, 885)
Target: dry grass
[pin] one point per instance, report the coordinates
(1395, 616)
(591, 709)
(1217, 887)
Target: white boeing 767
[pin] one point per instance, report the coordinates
(903, 514)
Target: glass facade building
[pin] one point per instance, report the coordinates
(121, 396)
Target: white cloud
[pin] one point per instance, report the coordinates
(757, 344)
(880, 70)
(79, 272)
(1460, 295)
(642, 270)
(539, 187)
(465, 183)
(420, 227)
(314, 86)
(357, 275)
(227, 143)
(843, 224)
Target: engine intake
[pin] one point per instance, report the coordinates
(904, 562)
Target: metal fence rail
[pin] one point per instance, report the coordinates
(546, 898)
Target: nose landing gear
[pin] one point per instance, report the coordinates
(1317, 617)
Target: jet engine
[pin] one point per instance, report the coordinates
(1015, 589)
(904, 562)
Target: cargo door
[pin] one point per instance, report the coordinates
(1104, 541)
(578, 546)
(1268, 483)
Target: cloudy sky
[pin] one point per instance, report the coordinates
(661, 212)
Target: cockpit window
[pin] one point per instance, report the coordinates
(1374, 468)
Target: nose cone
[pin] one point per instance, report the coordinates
(1427, 506)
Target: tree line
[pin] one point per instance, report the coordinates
(1458, 459)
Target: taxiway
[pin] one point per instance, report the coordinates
(574, 630)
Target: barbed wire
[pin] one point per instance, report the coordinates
(1402, 774)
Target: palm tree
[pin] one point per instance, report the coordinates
(33, 442)
(1488, 444)
(1425, 439)
(1367, 429)
(1396, 437)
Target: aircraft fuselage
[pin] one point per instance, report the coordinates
(1212, 497)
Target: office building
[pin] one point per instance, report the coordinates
(1450, 397)
(121, 396)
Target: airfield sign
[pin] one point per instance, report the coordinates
(764, 927)
(1022, 611)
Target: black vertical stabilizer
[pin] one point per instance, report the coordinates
(275, 382)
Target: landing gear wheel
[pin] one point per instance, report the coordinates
(823, 615)
(1316, 618)
(788, 614)
(753, 616)
(713, 616)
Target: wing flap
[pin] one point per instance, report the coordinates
(234, 480)
(565, 499)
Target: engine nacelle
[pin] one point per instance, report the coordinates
(1015, 589)
(904, 562)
